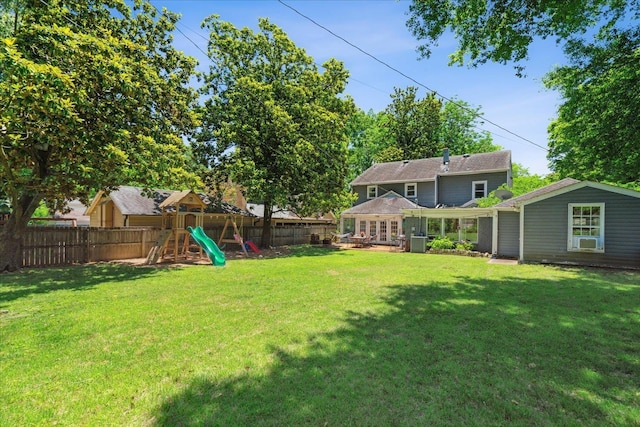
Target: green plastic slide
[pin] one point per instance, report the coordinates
(215, 254)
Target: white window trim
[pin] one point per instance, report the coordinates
(415, 189)
(473, 188)
(369, 187)
(570, 247)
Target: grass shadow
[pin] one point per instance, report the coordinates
(475, 352)
(14, 286)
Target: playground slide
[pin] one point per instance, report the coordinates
(252, 246)
(209, 246)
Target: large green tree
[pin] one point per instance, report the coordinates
(460, 129)
(413, 124)
(418, 128)
(368, 134)
(92, 95)
(273, 122)
(502, 30)
(596, 135)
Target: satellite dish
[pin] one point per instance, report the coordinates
(503, 194)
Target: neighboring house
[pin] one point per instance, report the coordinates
(436, 182)
(284, 216)
(76, 216)
(130, 207)
(567, 222)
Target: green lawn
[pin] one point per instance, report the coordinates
(321, 338)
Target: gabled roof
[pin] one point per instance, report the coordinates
(390, 203)
(582, 184)
(560, 187)
(511, 203)
(427, 169)
(180, 196)
(131, 201)
(283, 214)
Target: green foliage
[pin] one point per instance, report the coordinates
(272, 122)
(464, 246)
(596, 135)
(92, 95)
(365, 339)
(368, 136)
(442, 242)
(459, 129)
(523, 182)
(413, 128)
(414, 123)
(501, 31)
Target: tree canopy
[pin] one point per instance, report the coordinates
(502, 31)
(273, 122)
(414, 128)
(523, 182)
(596, 135)
(92, 95)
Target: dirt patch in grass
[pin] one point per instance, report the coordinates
(230, 256)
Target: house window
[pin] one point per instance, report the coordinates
(479, 189)
(411, 190)
(586, 227)
(349, 225)
(372, 191)
(363, 227)
(372, 228)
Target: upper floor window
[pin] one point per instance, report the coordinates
(479, 189)
(372, 191)
(411, 190)
(586, 227)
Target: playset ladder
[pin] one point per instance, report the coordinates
(158, 246)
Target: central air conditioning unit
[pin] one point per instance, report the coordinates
(588, 242)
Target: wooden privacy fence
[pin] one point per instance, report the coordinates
(46, 246)
(50, 246)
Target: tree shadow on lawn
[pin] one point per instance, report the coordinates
(480, 352)
(43, 280)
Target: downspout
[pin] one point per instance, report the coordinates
(521, 236)
(494, 234)
(435, 192)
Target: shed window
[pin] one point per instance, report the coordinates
(372, 191)
(586, 227)
(410, 190)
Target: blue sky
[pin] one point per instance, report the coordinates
(520, 105)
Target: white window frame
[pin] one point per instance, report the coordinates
(411, 187)
(473, 189)
(573, 240)
(375, 191)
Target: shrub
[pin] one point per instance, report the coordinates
(464, 246)
(441, 243)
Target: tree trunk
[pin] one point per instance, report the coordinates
(13, 231)
(265, 242)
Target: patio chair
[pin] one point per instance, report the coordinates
(368, 242)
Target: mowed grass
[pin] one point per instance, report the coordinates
(321, 337)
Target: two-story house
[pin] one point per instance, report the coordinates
(385, 189)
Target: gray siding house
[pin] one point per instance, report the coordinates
(436, 182)
(582, 223)
(567, 222)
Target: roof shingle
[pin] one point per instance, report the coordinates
(427, 169)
